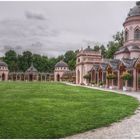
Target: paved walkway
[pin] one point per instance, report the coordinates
(127, 128)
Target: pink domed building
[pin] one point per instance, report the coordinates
(131, 47)
(126, 59)
(3, 71)
(60, 68)
(84, 62)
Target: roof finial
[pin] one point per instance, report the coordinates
(138, 3)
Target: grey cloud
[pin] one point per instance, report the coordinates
(31, 15)
(66, 25)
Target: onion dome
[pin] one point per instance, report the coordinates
(3, 64)
(88, 49)
(61, 64)
(32, 69)
(135, 11)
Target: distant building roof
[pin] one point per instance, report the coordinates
(103, 66)
(128, 63)
(135, 48)
(123, 50)
(114, 63)
(61, 64)
(31, 69)
(3, 64)
(88, 49)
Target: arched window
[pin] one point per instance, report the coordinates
(126, 35)
(78, 59)
(137, 34)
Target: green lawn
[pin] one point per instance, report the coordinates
(52, 110)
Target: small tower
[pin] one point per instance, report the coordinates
(84, 62)
(131, 45)
(3, 71)
(60, 68)
(31, 73)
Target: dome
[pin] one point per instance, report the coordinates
(61, 64)
(135, 11)
(88, 49)
(3, 64)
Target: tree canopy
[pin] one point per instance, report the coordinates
(21, 62)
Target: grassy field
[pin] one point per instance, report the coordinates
(52, 110)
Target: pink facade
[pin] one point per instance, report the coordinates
(3, 71)
(126, 59)
(84, 62)
(131, 35)
(60, 68)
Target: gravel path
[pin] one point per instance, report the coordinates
(127, 128)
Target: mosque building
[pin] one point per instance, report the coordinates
(127, 58)
(3, 71)
(90, 62)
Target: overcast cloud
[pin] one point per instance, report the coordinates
(51, 28)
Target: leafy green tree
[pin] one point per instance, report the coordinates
(112, 47)
(70, 59)
(60, 57)
(27, 60)
(118, 37)
(96, 48)
(51, 64)
(103, 51)
(11, 59)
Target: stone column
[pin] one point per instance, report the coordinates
(81, 75)
(103, 76)
(16, 77)
(106, 80)
(97, 77)
(91, 77)
(119, 78)
(45, 77)
(134, 79)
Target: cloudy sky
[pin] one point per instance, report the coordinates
(51, 28)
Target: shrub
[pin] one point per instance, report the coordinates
(87, 76)
(93, 82)
(126, 76)
(101, 83)
(111, 76)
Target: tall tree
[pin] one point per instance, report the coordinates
(11, 59)
(96, 48)
(118, 37)
(103, 51)
(26, 60)
(70, 59)
(112, 47)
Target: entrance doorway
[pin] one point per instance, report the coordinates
(31, 77)
(3, 77)
(58, 77)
